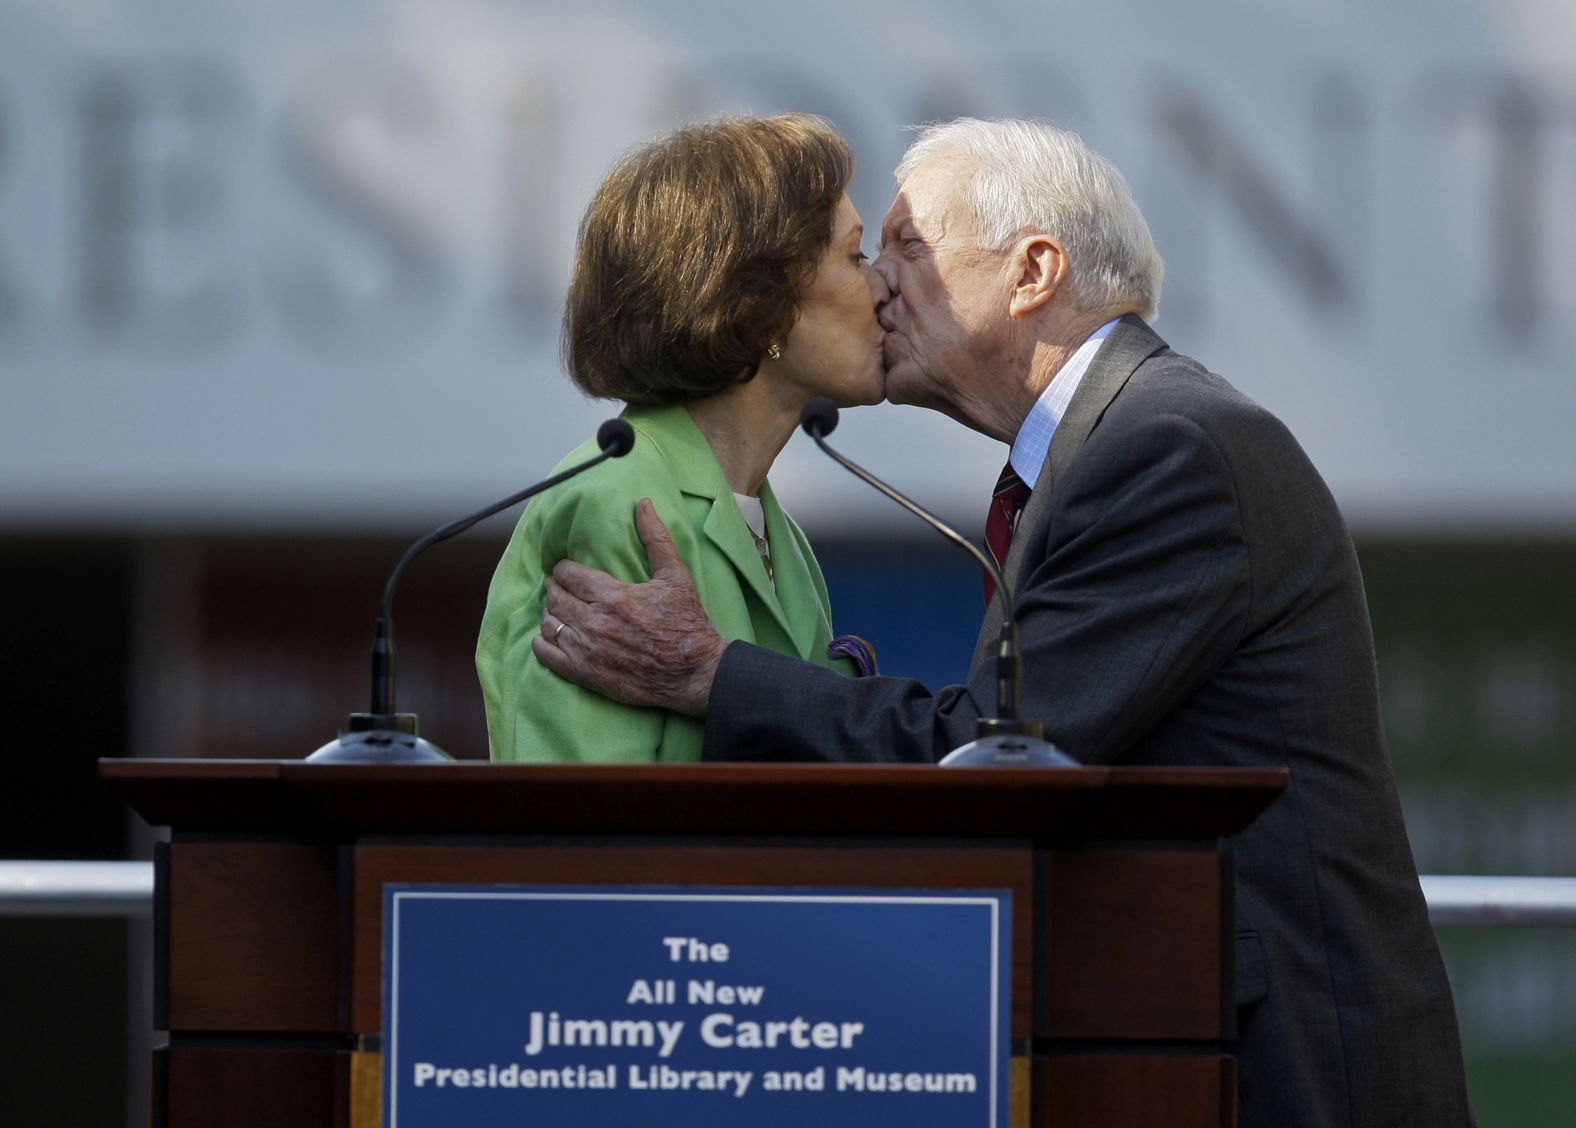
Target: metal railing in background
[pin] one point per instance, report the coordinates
(76, 889)
(1506, 902)
(125, 889)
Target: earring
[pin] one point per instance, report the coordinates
(774, 352)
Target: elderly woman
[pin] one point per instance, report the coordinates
(718, 286)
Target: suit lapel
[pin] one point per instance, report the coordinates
(1130, 343)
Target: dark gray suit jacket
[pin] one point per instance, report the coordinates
(1187, 594)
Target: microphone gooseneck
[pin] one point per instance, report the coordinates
(1012, 740)
(819, 419)
(372, 734)
(616, 438)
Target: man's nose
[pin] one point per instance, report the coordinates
(884, 267)
(880, 291)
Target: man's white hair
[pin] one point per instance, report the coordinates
(1025, 176)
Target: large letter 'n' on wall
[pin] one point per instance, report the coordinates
(1307, 245)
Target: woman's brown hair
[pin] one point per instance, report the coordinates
(694, 253)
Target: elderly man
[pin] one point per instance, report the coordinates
(1186, 590)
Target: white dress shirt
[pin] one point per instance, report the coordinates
(1034, 437)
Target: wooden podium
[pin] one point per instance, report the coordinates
(269, 901)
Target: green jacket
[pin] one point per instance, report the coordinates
(532, 713)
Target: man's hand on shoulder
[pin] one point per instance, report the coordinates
(643, 644)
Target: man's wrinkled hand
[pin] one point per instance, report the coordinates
(643, 644)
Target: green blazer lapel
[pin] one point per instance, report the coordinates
(725, 528)
(1130, 343)
(798, 603)
(696, 472)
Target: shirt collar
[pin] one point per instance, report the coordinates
(1034, 437)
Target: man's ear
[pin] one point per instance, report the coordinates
(1041, 263)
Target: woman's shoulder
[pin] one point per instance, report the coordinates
(646, 468)
(589, 517)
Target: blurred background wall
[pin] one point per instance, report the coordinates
(279, 290)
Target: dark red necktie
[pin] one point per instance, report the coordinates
(1005, 503)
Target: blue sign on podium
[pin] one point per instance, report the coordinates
(609, 1007)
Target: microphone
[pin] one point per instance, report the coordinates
(383, 735)
(1002, 740)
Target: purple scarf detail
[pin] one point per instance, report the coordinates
(862, 654)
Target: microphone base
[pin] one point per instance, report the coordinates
(1011, 750)
(380, 738)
